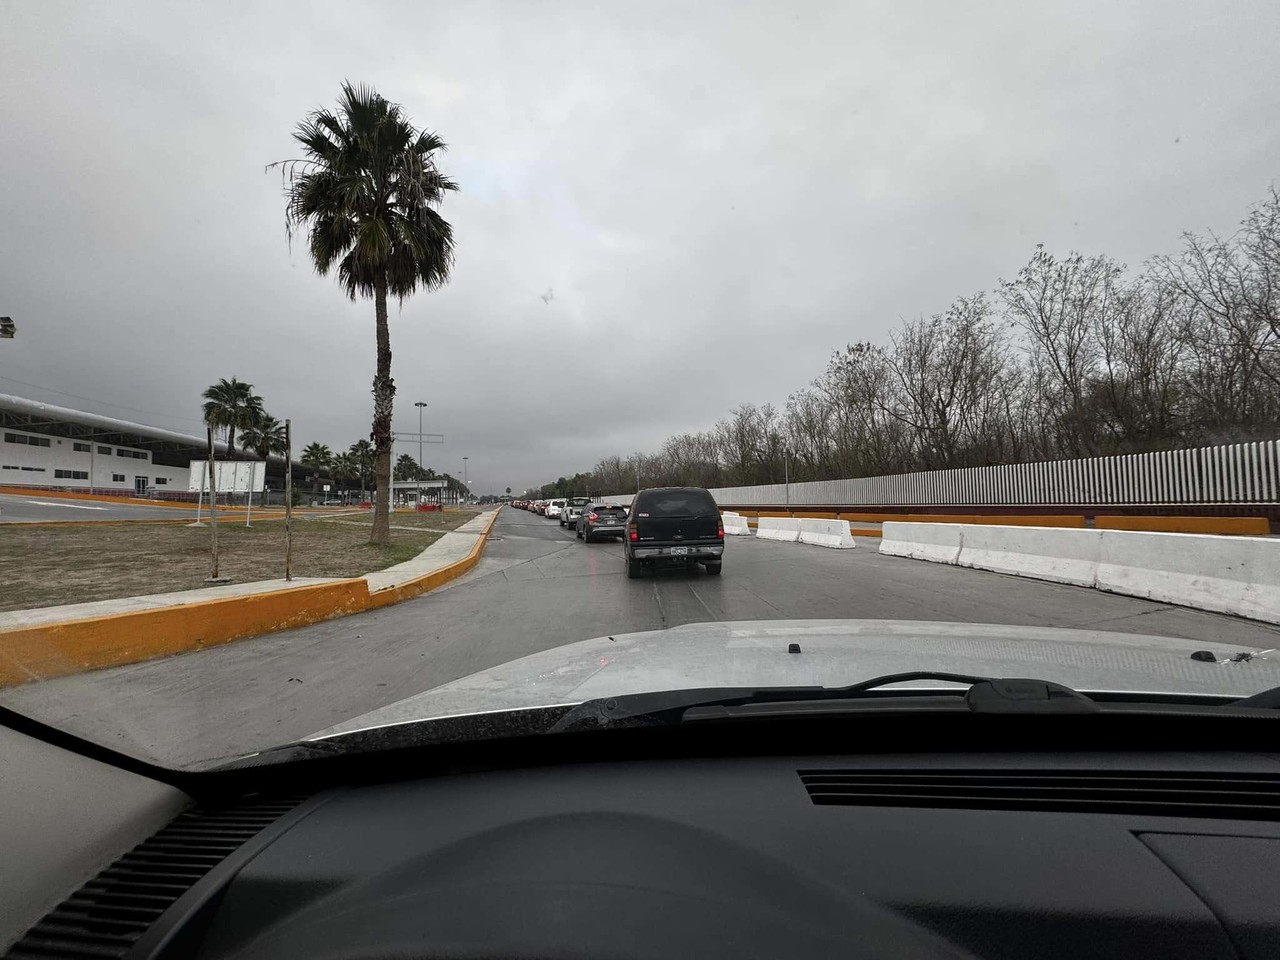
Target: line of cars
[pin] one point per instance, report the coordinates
(663, 526)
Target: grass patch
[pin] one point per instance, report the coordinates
(45, 566)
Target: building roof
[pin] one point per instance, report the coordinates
(166, 446)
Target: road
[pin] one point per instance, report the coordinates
(29, 508)
(537, 587)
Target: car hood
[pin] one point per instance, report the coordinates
(832, 653)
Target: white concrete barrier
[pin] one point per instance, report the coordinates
(1236, 575)
(939, 542)
(786, 529)
(1062, 555)
(827, 533)
(735, 524)
(1228, 574)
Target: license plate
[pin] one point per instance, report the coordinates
(608, 523)
(679, 551)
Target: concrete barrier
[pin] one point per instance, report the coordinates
(938, 542)
(1044, 553)
(826, 533)
(785, 529)
(735, 525)
(1229, 574)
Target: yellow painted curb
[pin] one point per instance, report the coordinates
(60, 649)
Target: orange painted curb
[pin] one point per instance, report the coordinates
(76, 646)
(1237, 526)
(60, 649)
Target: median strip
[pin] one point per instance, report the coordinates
(50, 642)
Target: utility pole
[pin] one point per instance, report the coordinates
(466, 488)
(786, 473)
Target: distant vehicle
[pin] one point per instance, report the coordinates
(334, 503)
(602, 520)
(555, 507)
(572, 510)
(540, 508)
(673, 525)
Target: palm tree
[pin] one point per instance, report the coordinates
(264, 437)
(407, 468)
(367, 188)
(362, 451)
(231, 405)
(345, 467)
(318, 458)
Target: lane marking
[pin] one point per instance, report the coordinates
(69, 506)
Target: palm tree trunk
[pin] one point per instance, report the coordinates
(384, 391)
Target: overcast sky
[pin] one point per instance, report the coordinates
(713, 196)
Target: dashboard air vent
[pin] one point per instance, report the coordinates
(1225, 795)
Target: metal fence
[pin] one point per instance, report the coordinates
(1240, 473)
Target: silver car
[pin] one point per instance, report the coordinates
(572, 510)
(602, 520)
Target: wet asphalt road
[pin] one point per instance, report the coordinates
(538, 587)
(33, 508)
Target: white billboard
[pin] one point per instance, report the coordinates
(233, 476)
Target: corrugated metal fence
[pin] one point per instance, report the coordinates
(1240, 473)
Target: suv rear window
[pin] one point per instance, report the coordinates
(578, 501)
(612, 510)
(676, 503)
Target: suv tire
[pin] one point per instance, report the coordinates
(633, 569)
(713, 569)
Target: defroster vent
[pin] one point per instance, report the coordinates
(1219, 795)
(106, 916)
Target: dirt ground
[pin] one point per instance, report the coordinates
(44, 566)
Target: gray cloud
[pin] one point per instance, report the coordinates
(719, 195)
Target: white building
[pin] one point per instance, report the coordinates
(44, 445)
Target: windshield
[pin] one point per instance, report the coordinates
(911, 334)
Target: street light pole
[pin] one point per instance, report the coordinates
(464, 476)
(418, 499)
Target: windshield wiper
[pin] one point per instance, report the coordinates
(984, 695)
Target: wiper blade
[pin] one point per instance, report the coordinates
(984, 695)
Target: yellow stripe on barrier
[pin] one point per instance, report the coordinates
(1232, 526)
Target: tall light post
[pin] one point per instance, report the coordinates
(467, 489)
(421, 405)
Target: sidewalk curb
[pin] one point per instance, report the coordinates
(75, 646)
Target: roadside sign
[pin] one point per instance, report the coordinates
(234, 476)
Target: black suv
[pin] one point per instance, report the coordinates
(670, 525)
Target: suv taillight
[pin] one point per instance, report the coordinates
(593, 517)
(633, 532)
(720, 528)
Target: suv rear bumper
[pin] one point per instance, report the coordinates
(608, 529)
(663, 551)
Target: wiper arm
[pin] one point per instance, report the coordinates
(984, 695)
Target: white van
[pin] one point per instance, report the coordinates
(555, 507)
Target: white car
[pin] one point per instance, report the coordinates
(555, 508)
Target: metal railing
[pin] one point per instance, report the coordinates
(1239, 474)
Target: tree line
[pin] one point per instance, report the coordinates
(1074, 356)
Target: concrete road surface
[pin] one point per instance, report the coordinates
(537, 587)
(29, 508)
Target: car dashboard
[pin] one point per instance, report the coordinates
(984, 854)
